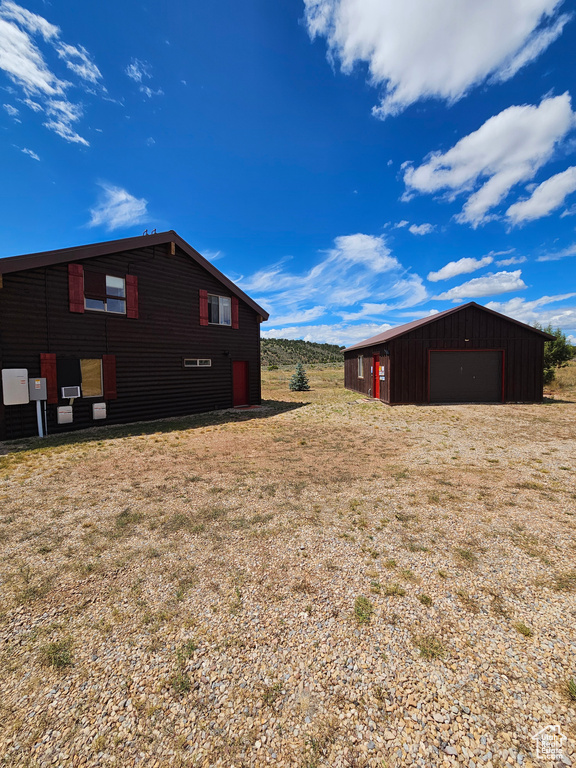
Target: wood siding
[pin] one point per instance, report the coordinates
(408, 361)
(152, 383)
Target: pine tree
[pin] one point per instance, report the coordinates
(299, 381)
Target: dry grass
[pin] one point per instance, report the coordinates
(208, 567)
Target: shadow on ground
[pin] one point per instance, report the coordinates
(176, 424)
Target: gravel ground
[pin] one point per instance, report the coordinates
(323, 581)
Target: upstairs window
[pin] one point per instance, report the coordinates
(219, 310)
(104, 293)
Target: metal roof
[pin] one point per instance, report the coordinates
(91, 251)
(400, 330)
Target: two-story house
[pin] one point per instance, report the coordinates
(134, 329)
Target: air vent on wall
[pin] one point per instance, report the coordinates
(70, 392)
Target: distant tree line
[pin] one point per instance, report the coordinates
(292, 351)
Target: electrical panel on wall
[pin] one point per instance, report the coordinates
(15, 386)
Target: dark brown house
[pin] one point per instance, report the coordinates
(465, 354)
(139, 328)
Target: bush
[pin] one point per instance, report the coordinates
(299, 381)
(556, 353)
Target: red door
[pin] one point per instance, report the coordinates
(376, 376)
(240, 383)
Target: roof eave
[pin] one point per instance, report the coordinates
(82, 252)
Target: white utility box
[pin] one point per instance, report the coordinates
(70, 392)
(64, 414)
(98, 410)
(15, 386)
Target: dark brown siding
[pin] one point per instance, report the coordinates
(151, 380)
(471, 328)
(364, 385)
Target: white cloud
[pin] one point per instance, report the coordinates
(401, 224)
(117, 208)
(563, 254)
(512, 260)
(137, 70)
(21, 33)
(488, 285)
(63, 114)
(12, 111)
(460, 267)
(30, 153)
(212, 255)
(538, 311)
(301, 316)
(507, 149)
(78, 61)
(418, 49)
(150, 92)
(421, 229)
(334, 333)
(357, 279)
(545, 198)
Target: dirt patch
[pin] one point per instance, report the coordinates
(187, 593)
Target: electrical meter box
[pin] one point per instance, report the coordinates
(98, 410)
(15, 386)
(37, 389)
(64, 414)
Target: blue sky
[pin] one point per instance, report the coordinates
(352, 164)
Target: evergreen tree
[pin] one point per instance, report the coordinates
(299, 381)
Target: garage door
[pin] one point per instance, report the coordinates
(466, 377)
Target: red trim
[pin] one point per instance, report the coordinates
(493, 349)
(76, 287)
(235, 323)
(48, 372)
(376, 376)
(109, 377)
(203, 307)
(132, 296)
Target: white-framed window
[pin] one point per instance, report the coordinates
(196, 362)
(104, 293)
(219, 310)
(360, 367)
(91, 373)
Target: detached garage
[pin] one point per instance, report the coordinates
(468, 354)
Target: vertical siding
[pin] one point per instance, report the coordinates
(151, 382)
(408, 361)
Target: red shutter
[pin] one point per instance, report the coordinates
(131, 296)
(235, 312)
(109, 376)
(48, 372)
(203, 307)
(76, 287)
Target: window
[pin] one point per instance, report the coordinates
(219, 310)
(91, 372)
(192, 362)
(360, 367)
(104, 293)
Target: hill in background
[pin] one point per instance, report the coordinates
(292, 351)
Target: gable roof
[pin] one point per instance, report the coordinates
(400, 330)
(82, 252)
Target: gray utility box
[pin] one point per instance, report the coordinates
(37, 389)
